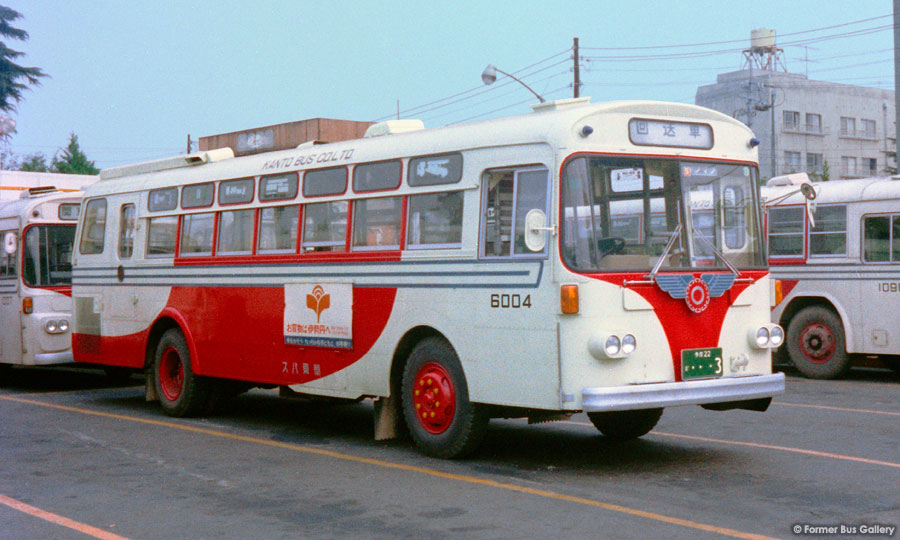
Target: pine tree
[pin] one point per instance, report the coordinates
(34, 163)
(73, 160)
(13, 77)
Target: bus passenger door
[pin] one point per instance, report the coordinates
(10, 314)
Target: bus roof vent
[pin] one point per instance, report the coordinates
(189, 160)
(34, 192)
(392, 127)
(559, 104)
(794, 179)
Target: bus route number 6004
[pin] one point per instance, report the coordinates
(505, 301)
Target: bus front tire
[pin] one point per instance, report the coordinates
(625, 425)
(441, 420)
(181, 392)
(816, 343)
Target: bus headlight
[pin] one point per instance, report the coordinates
(613, 346)
(50, 327)
(776, 336)
(63, 325)
(759, 337)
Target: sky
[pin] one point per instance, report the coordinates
(132, 78)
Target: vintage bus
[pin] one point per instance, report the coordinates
(38, 231)
(836, 271)
(453, 274)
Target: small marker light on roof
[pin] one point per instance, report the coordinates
(754, 142)
(586, 130)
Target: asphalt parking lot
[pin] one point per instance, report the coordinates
(86, 458)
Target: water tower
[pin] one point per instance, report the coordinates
(763, 54)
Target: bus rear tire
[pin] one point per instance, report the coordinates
(625, 425)
(815, 341)
(441, 420)
(181, 392)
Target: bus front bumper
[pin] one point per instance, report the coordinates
(47, 359)
(707, 391)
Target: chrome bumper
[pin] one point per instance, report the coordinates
(46, 359)
(651, 396)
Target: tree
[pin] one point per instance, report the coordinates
(73, 160)
(34, 163)
(13, 77)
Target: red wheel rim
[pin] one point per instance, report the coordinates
(817, 343)
(434, 398)
(171, 374)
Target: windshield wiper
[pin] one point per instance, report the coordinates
(718, 253)
(665, 253)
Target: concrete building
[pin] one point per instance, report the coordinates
(804, 124)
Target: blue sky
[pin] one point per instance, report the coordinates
(133, 78)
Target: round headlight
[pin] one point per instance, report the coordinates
(50, 326)
(762, 337)
(613, 345)
(629, 344)
(776, 336)
(63, 325)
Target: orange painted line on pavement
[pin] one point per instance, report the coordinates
(410, 468)
(59, 520)
(830, 408)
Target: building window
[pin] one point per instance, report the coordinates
(848, 127)
(791, 120)
(814, 163)
(813, 123)
(829, 234)
(848, 166)
(868, 128)
(791, 161)
(871, 165)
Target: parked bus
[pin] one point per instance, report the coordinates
(14, 183)
(448, 273)
(837, 274)
(38, 232)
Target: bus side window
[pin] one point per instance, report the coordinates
(126, 231)
(325, 226)
(376, 223)
(509, 195)
(161, 236)
(94, 227)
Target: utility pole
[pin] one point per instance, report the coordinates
(774, 157)
(896, 81)
(189, 144)
(577, 84)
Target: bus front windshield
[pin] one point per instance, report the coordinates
(622, 213)
(48, 255)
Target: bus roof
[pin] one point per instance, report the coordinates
(25, 205)
(556, 122)
(841, 191)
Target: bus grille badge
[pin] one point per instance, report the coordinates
(696, 292)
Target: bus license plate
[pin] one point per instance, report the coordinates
(701, 363)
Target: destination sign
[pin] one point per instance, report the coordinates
(673, 134)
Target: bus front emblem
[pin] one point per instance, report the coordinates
(696, 291)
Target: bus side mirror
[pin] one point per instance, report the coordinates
(535, 220)
(10, 243)
(809, 193)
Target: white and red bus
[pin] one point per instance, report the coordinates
(453, 274)
(38, 231)
(837, 274)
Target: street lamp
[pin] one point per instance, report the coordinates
(489, 76)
